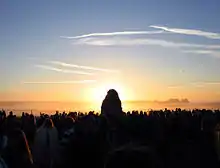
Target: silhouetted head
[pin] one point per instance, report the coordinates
(112, 94)
(10, 113)
(69, 122)
(48, 123)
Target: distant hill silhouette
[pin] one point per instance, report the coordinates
(174, 101)
(169, 101)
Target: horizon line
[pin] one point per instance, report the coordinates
(87, 101)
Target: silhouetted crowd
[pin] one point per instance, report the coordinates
(113, 139)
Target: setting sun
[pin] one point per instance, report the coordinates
(98, 93)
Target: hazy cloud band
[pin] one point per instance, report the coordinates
(213, 53)
(139, 41)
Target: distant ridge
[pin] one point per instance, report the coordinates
(169, 101)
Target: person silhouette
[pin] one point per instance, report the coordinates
(111, 105)
(111, 111)
(45, 147)
(17, 152)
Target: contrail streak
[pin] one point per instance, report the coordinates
(82, 67)
(63, 70)
(60, 82)
(209, 35)
(113, 34)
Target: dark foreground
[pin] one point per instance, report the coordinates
(166, 139)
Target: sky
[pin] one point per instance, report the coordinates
(78, 49)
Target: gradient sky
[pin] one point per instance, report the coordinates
(75, 50)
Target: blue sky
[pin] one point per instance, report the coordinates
(31, 36)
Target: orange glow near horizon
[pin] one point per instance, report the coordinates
(128, 90)
(98, 93)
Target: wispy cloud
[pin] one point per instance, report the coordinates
(175, 87)
(62, 70)
(123, 38)
(195, 84)
(121, 33)
(139, 41)
(205, 83)
(209, 52)
(209, 35)
(198, 51)
(60, 82)
(82, 67)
